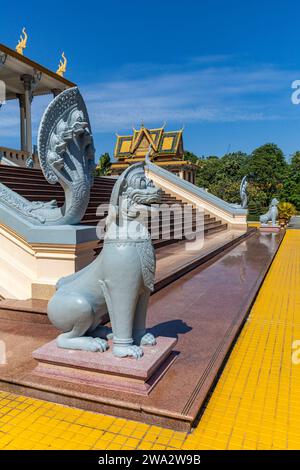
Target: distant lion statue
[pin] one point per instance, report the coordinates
(119, 281)
(271, 215)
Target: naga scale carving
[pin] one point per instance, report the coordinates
(66, 154)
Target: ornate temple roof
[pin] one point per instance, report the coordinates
(165, 144)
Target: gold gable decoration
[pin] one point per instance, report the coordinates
(167, 144)
(22, 42)
(62, 66)
(125, 146)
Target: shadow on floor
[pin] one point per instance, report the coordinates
(170, 329)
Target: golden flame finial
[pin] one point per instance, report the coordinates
(62, 65)
(22, 42)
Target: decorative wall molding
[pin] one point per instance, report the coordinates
(31, 270)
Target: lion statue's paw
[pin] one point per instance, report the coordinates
(148, 340)
(95, 344)
(82, 343)
(131, 350)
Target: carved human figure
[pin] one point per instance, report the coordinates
(243, 192)
(271, 215)
(119, 281)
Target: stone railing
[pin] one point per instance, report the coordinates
(15, 157)
(198, 197)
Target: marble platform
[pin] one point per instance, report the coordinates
(173, 261)
(204, 310)
(269, 229)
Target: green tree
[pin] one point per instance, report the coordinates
(207, 171)
(104, 165)
(191, 157)
(257, 198)
(269, 168)
(226, 189)
(290, 191)
(235, 165)
(271, 176)
(295, 164)
(222, 176)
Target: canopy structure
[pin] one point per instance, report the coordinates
(23, 80)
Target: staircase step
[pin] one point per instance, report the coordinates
(29, 310)
(32, 185)
(187, 229)
(170, 267)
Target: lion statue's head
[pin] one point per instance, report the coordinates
(134, 192)
(274, 202)
(132, 196)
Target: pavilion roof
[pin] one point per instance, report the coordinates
(16, 65)
(164, 143)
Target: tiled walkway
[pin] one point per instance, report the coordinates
(255, 404)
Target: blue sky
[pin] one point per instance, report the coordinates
(222, 68)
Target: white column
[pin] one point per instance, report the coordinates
(22, 122)
(3, 58)
(27, 81)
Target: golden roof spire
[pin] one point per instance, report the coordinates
(22, 42)
(62, 67)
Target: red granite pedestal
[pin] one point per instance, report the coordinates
(104, 369)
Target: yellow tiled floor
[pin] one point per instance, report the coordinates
(255, 404)
(253, 224)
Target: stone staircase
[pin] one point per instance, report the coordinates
(173, 261)
(31, 184)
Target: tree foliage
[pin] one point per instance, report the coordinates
(269, 173)
(190, 156)
(104, 164)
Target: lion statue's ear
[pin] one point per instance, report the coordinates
(121, 183)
